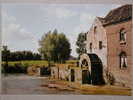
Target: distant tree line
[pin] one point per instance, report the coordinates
(7, 55)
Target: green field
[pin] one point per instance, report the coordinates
(36, 62)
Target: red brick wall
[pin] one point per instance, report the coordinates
(114, 48)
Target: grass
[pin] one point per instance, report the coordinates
(36, 62)
(71, 61)
(31, 62)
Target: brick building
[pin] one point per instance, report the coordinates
(109, 38)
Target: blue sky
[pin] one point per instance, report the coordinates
(24, 24)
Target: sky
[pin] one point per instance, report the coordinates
(23, 25)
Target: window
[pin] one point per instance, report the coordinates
(90, 47)
(85, 36)
(123, 60)
(122, 36)
(100, 45)
(95, 29)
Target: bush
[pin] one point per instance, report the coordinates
(17, 68)
(110, 78)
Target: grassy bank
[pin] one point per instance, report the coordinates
(21, 66)
(29, 63)
(36, 62)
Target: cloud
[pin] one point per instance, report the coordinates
(15, 36)
(115, 6)
(58, 12)
(85, 22)
(85, 17)
(64, 13)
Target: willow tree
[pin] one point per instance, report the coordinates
(55, 47)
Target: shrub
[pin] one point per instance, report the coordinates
(16, 68)
(110, 78)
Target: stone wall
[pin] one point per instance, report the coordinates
(60, 71)
(94, 35)
(77, 74)
(63, 72)
(33, 70)
(54, 72)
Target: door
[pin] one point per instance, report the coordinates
(72, 75)
(86, 77)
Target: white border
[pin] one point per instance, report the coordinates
(67, 97)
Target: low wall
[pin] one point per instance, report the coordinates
(33, 71)
(77, 75)
(63, 72)
(54, 72)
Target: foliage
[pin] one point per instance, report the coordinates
(5, 53)
(21, 66)
(55, 46)
(19, 55)
(17, 68)
(110, 78)
(81, 43)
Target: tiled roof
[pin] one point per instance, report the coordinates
(117, 15)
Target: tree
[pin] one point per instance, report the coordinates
(5, 54)
(5, 57)
(81, 43)
(55, 47)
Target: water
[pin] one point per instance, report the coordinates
(23, 84)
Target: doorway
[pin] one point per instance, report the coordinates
(86, 77)
(72, 75)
